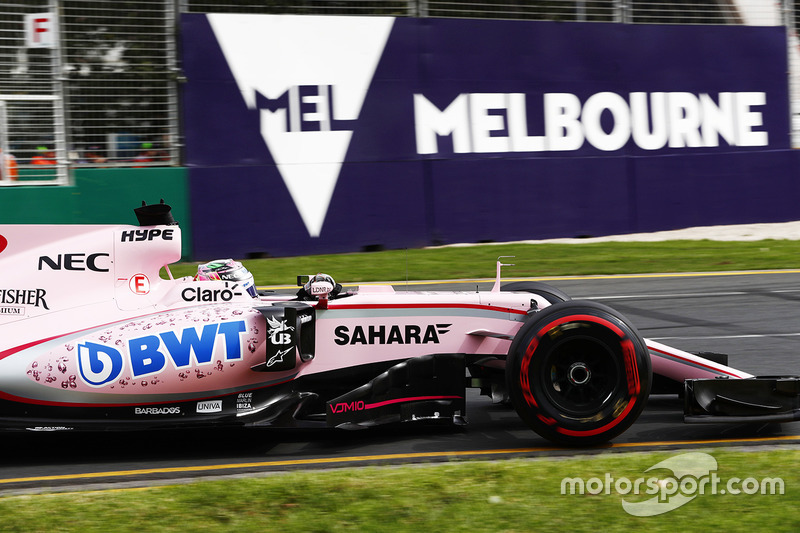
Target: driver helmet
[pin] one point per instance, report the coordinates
(227, 270)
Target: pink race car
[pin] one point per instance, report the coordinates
(92, 337)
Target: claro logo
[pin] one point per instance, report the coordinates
(199, 294)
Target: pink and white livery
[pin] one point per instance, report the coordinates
(93, 337)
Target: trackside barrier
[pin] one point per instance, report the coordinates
(412, 132)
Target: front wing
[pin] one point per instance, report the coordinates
(756, 399)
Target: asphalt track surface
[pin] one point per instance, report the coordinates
(751, 316)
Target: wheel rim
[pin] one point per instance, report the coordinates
(580, 376)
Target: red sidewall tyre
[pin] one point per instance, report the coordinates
(578, 373)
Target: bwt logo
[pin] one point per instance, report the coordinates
(99, 364)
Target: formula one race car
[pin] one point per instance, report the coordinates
(92, 337)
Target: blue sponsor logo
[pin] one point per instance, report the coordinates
(148, 355)
(98, 363)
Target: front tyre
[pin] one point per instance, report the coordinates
(578, 373)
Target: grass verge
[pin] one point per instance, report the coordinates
(512, 495)
(531, 260)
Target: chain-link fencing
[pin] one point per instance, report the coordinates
(90, 83)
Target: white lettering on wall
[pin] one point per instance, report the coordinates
(498, 122)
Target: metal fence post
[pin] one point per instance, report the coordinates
(793, 78)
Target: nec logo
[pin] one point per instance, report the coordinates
(74, 262)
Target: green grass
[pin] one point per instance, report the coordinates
(513, 495)
(531, 260)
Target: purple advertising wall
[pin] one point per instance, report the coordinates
(310, 134)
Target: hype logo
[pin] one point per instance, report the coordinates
(308, 76)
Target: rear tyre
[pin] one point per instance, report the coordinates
(548, 292)
(578, 373)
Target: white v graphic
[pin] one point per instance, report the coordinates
(273, 55)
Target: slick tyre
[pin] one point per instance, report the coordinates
(548, 292)
(578, 373)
